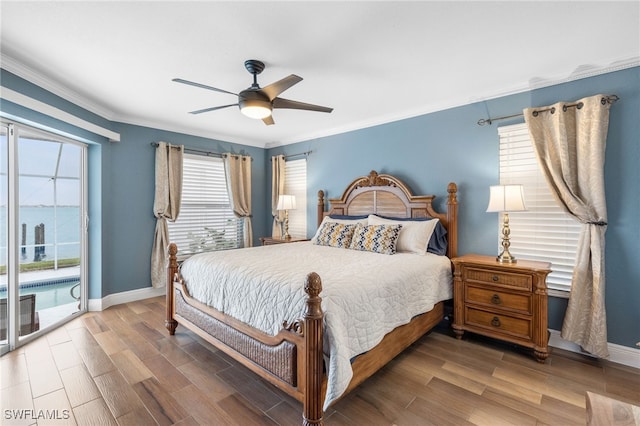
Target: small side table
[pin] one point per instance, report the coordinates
(267, 241)
(506, 301)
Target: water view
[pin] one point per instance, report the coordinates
(61, 233)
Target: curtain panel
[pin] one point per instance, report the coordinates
(277, 189)
(238, 174)
(570, 141)
(166, 206)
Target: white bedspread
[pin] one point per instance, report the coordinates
(364, 296)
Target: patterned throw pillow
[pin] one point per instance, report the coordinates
(414, 236)
(334, 234)
(376, 238)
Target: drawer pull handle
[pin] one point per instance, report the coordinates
(495, 278)
(495, 322)
(495, 299)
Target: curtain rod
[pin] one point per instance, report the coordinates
(197, 151)
(306, 154)
(605, 100)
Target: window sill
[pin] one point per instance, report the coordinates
(562, 294)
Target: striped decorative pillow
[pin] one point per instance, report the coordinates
(334, 234)
(376, 238)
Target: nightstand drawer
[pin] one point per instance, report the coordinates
(521, 281)
(498, 299)
(517, 327)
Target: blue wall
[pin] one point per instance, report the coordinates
(128, 217)
(431, 150)
(426, 152)
(121, 187)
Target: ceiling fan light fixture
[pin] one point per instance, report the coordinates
(256, 109)
(254, 104)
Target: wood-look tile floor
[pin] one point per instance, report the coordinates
(120, 366)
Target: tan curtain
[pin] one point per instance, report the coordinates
(238, 174)
(166, 206)
(277, 188)
(569, 141)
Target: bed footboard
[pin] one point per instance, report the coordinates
(292, 360)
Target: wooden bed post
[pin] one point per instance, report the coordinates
(313, 398)
(320, 211)
(452, 220)
(171, 323)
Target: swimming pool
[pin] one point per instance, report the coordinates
(48, 293)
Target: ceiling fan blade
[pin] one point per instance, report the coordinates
(286, 103)
(274, 89)
(200, 111)
(268, 120)
(191, 83)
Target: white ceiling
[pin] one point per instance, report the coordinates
(372, 61)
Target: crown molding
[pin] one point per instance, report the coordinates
(220, 137)
(584, 71)
(14, 66)
(537, 83)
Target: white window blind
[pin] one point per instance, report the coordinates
(544, 232)
(206, 221)
(295, 183)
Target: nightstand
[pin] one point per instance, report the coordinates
(267, 241)
(506, 301)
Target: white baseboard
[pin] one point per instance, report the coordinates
(125, 297)
(617, 353)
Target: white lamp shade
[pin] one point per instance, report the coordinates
(286, 202)
(506, 198)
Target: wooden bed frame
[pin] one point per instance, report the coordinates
(292, 360)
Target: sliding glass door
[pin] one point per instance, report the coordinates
(43, 248)
(4, 228)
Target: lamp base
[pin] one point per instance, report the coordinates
(506, 257)
(285, 235)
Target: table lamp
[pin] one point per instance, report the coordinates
(505, 199)
(286, 203)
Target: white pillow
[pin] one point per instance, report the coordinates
(414, 236)
(345, 221)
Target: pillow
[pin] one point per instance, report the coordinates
(340, 219)
(438, 241)
(375, 238)
(414, 235)
(334, 234)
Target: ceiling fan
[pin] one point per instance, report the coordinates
(257, 102)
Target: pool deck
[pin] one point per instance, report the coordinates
(48, 316)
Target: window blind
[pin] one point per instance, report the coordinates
(206, 221)
(544, 232)
(295, 183)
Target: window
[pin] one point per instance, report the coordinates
(206, 221)
(543, 232)
(295, 183)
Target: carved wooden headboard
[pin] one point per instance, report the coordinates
(387, 195)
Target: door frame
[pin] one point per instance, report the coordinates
(13, 242)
